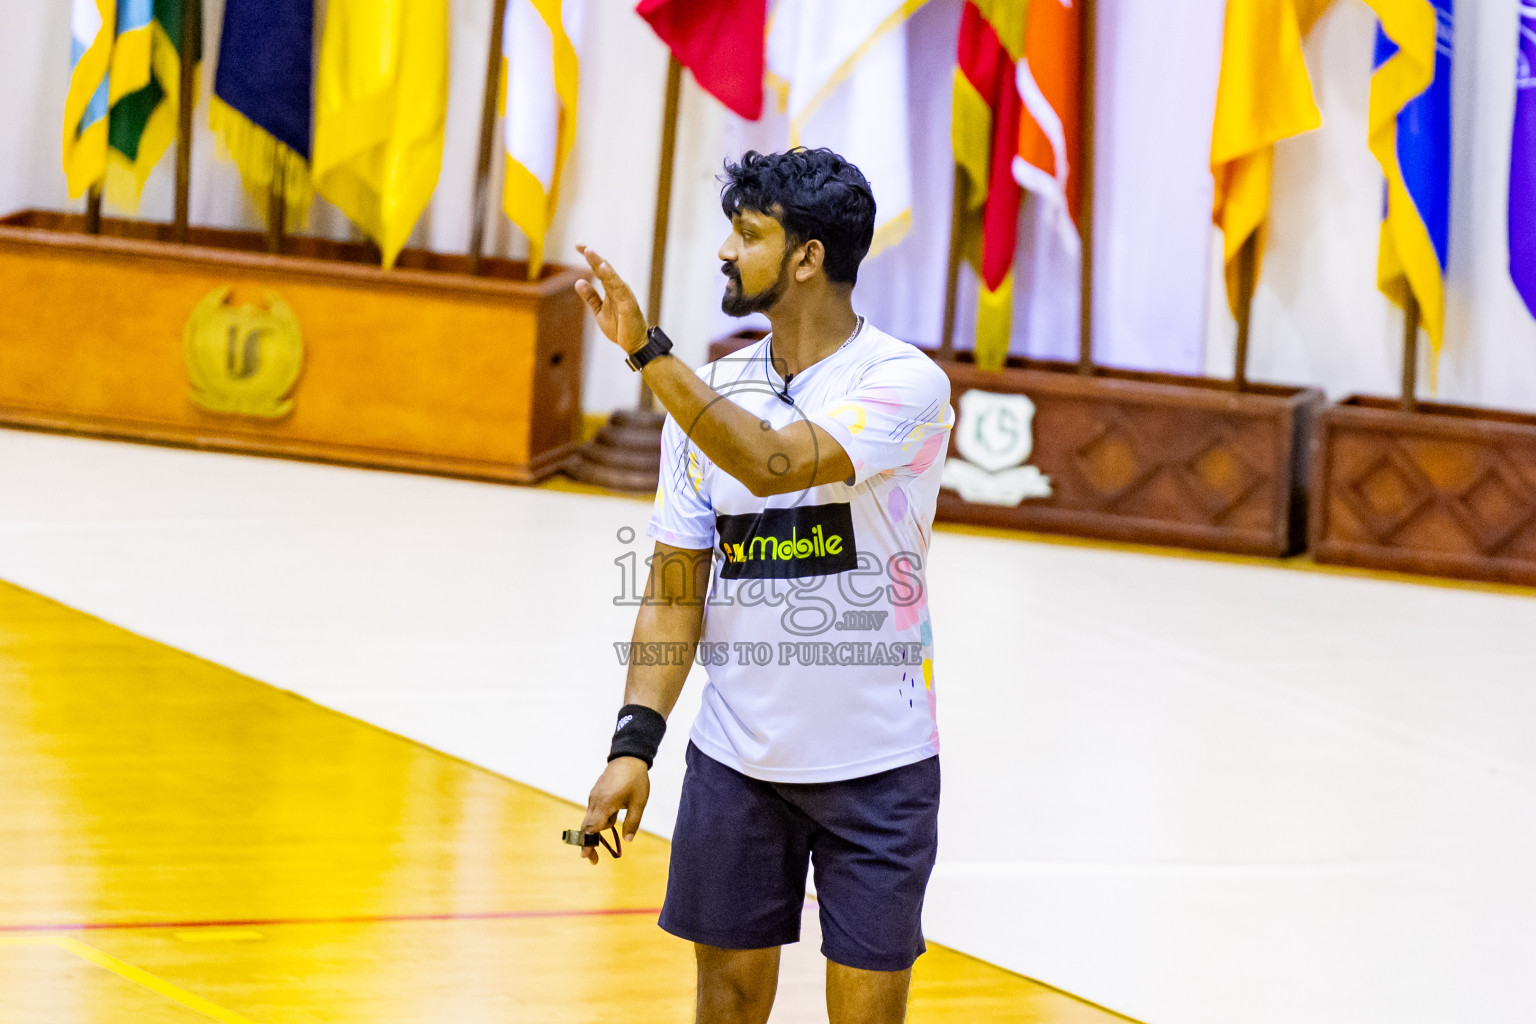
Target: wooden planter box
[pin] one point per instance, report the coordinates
(1142, 457)
(1447, 490)
(313, 354)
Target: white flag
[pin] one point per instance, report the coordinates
(539, 73)
(840, 72)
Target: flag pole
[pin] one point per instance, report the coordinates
(952, 269)
(93, 210)
(1247, 281)
(663, 207)
(1087, 64)
(626, 453)
(1411, 316)
(487, 138)
(277, 207)
(191, 31)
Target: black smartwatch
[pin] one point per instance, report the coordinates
(656, 344)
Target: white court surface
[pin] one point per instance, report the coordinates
(1193, 791)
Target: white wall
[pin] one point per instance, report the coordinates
(1158, 64)
(1318, 317)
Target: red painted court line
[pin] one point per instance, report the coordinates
(503, 915)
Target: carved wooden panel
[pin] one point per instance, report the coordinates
(1152, 459)
(1141, 457)
(1448, 490)
(422, 367)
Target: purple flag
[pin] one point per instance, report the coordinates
(1522, 169)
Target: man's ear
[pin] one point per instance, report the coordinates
(813, 254)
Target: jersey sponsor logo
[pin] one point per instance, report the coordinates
(788, 543)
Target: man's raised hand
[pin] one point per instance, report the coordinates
(617, 312)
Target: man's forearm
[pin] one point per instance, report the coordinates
(669, 628)
(731, 437)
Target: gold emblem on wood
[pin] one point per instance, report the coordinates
(241, 360)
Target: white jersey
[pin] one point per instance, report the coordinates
(816, 637)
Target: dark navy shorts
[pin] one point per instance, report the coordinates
(741, 848)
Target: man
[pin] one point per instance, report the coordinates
(798, 483)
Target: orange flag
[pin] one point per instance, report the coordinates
(1050, 85)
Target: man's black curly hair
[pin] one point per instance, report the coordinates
(813, 193)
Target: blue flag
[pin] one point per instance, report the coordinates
(263, 95)
(1522, 167)
(1411, 137)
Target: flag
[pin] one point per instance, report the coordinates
(1264, 95)
(92, 26)
(1410, 136)
(1050, 86)
(380, 107)
(985, 134)
(1522, 168)
(840, 72)
(263, 95)
(145, 91)
(720, 41)
(538, 104)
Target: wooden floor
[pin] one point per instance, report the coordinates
(182, 843)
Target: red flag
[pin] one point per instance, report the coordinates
(720, 41)
(985, 133)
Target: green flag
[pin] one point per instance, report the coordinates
(145, 90)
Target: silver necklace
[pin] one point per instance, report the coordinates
(784, 395)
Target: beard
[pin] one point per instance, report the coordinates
(737, 303)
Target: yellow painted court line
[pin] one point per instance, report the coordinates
(134, 974)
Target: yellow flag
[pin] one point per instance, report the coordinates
(538, 103)
(380, 106)
(1264, 96)
(87, 104)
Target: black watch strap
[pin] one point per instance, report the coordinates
(656, 344)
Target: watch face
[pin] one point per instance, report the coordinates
(656, 344)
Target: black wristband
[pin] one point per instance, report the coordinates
(638, 733)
